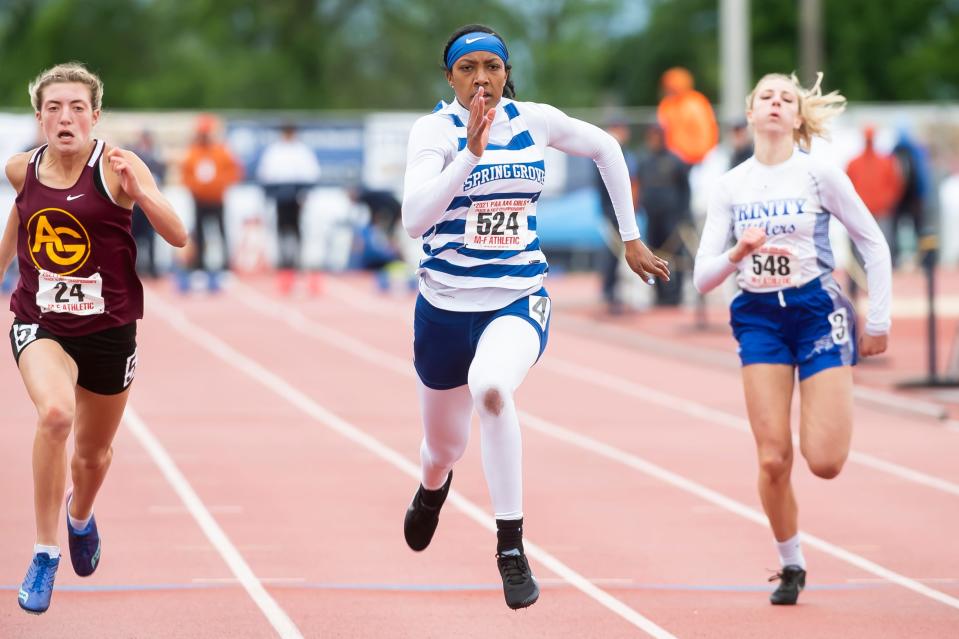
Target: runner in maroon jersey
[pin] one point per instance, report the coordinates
(76, 306)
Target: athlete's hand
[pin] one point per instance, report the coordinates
(128, 179)
(481, 119)
(751, 239)
(644, 263)
(872, 344)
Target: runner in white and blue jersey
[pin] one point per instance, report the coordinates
(474, 174)
(790, 314)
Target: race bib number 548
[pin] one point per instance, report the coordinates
(497, 225)
(74, 295)
(771, 267)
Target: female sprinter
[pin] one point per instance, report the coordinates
(474, 174)
(75, 307)
(790, 314)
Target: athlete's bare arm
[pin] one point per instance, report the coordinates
(16, 169)
(136, 183)
(8, 245)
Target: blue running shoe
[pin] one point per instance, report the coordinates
(37, 586)
(84, 546)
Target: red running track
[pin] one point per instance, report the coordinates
(292, 429)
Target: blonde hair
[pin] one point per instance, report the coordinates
(68, 72)
(815, 109)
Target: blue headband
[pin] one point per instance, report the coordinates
(476, 41)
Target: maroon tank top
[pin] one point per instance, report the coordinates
(76, 254)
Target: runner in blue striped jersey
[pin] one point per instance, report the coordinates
(475, 171)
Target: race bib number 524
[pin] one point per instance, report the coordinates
(497, 225)
(74, 295)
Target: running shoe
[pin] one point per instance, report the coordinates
(84, 545)
(519, 584)
(421, 520)
(37, 586)
(792, 579)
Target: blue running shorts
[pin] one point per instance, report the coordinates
(444, 342)
(812, 327)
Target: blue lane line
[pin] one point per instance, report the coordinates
(108, 588)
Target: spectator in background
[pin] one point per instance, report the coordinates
(143, 231)
(208, 170)
(686, 117)
(610, 258)
(377, 249)
(912, 203)
(287, 170)
(878, 182)
(663, 180)
(742, 143)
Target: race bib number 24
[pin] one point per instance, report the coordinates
(74, 295)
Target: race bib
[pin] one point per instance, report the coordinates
(74, 295)
(771, 267)
(497, 225)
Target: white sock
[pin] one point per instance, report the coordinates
(53, 551)
(790, 552)
(78, 524)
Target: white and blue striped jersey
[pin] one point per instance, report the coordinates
(792, 202)
(477, 215)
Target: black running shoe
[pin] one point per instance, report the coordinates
(792, 579)
(421, 520)
(519, 584)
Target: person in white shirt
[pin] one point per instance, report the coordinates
(287, 169)
(774, 209)
(475, 170)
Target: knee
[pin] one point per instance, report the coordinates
(489, 398)
(489, 394)
(443, 452)
(775, 464)
(55, 420)
(826, 468)
(493, 401)
(446, 454)
(93, 459)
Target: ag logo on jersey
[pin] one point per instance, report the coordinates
(57, 239)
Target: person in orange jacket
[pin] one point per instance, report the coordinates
(208, 170)
(878, 181)
(686, 117)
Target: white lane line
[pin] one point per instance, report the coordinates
(738, 508)
(692, 408)
(297, 320)
(686, 405)
(281, 387)
(277, 617)
(179, 510)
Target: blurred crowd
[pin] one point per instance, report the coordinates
(279, 210)
(896, 185)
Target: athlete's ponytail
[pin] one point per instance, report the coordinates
(815, 109)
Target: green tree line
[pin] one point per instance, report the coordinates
(385, 54)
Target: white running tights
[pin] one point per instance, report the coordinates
(507, 349)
